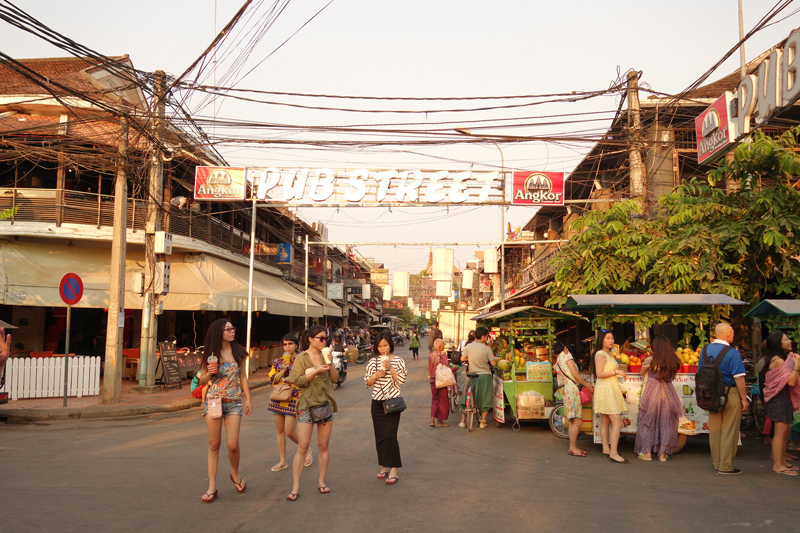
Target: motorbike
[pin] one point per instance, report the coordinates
(399, 340)
(364, 351)
(341, 367)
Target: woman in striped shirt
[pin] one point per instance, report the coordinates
(386, 374)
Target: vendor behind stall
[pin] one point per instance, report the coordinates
(481, 360)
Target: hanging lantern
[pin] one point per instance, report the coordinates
(400, 284)
(387, 292)
(468, 279)
(443, 288)
(442, 267)
(365, 291)
(490, 261)
(434, 305)
(427, 315)
(411, 302)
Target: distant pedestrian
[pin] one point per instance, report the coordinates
(608, 399)
(781, 393)
(570, 378)
(227, 383)
(285, 411)
(440, 404)
(723, 427)
(385, 374)
(660, 409)
(433, 334)
(414, 345)
(315, 407)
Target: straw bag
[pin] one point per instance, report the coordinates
(444, 377)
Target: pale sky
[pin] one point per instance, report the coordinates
(414, 49)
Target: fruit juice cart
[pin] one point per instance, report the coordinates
(522, 337)
(696, 311)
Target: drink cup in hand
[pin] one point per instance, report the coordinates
(326, 355)
(212, 364)
(385, 361)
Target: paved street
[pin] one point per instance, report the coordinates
(148, 473)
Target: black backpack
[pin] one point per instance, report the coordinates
(710, 391)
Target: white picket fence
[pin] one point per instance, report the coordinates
(44, 377)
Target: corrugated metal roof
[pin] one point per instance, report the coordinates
(528, 310)
(648, 301)
(776, 307)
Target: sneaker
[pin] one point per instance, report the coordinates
(462, 425)
(733, 472)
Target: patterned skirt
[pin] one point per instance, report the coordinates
(659, 411)
(287, 408)
(779, 408)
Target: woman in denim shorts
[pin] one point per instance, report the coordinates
(314, 376)
(225, 382)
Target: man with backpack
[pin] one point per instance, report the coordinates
(723, 426)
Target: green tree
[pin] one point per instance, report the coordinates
(701, 237)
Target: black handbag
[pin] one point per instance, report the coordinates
(320, 413)
(394, 405)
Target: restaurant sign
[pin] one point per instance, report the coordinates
(262, 249)
(219, 183)
(714, 128)
(538, 188)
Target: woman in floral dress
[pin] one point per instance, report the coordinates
(285, 413)
(569, 378)
(659, 408)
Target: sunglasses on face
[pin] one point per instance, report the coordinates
(232, 330)
(323, 339)
(290, 343)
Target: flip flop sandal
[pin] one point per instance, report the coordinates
(209, 498)
(788, 472)
(484, 425)
(241, 486)
(643, 457)
(392, 480)
(279, 467)
(309, 459)
(663, 458)
(432, 425)
(443, 425)
(292, 497)
(382, 475)
(582, 453)
(324, 490)
(623, 462)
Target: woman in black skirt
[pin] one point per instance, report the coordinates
(386, 374)
(779, 375)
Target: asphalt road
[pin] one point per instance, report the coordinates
(148, 473)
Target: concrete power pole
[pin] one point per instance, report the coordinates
(112, 380)
(637, 186)
(147, 359)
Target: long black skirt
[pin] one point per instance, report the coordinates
(385, 427)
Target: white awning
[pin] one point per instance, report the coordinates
(329, 307)
(30, 274)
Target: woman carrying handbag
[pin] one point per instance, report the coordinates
(283, 401)
(569, 378)
(223, 358)
(386, 374)
(315, 407)
(440, 404)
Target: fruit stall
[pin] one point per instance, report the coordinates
(523, 382)
(696, 312)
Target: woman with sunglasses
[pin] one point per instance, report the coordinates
(228, 383)
(315, 378)
(608, 399)
(285, 412)
(386, 374)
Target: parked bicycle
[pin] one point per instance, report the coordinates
(471, 410)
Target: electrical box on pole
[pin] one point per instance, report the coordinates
(161, 282)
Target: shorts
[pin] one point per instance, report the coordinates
(304, 417)
(228, 408)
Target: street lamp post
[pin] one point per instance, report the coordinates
(465, 131)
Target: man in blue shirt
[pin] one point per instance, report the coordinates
(723, 427)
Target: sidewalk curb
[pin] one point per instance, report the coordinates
(104, 411)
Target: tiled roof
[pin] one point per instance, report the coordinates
(63, 70)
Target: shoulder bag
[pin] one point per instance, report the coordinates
(320, 413)
(444, 377)
(586, 396)
(282, 392)
(214, 407)
(394, 405)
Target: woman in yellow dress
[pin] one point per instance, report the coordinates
(608, 399)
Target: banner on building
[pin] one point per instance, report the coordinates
(284, 254)
(715, 130)
(538, 188)
(219, 183)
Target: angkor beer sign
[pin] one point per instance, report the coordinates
(714, 129)
(757, 99)
(338, 187)
(219, 183)
(538, 188)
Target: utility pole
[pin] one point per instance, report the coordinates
(637, 185)
(112, 381)
(743, 66)
(147, 359)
